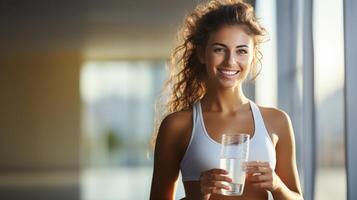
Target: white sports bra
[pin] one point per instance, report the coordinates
(203, 152)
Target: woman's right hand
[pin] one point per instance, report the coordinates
(211, 182)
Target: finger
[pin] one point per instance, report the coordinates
(208, 173)
(218, 188)
(216, 171)
(207, 187)
(213, 184)
(261, 178)
(214, 177)
(218, 177)
(217, 191)
(259, 169)
(214, 187)
(221, 185)
(206, 190)
(257, 163)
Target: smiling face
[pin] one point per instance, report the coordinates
(228, 56)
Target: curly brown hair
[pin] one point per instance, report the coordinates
(187, 80)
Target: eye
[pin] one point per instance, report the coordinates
(242, 51)
(218, 50)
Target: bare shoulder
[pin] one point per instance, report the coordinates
(176, 123)
(276, 120)
(176, 128)
(169, 149)
(177, 120)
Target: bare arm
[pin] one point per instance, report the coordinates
(289, 186)
(168, 154)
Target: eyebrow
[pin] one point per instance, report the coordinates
(239, 46)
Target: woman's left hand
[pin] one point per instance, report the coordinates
(262, 176)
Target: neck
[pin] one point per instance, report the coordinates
(227, 100)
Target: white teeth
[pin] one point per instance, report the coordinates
(228, 72)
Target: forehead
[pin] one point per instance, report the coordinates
(231, 36)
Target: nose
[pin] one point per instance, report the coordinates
(231, 59)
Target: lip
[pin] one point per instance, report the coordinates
(230, 73)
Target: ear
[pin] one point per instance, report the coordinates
(201, 54)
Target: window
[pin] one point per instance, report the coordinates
(117, 122)
(329, 77)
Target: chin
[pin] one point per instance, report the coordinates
(228, 85)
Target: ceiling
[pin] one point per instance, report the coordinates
(99, 29)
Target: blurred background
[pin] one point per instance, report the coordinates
(79, 81)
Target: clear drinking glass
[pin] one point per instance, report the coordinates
(234, 153)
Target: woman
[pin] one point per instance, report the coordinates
(219, 51)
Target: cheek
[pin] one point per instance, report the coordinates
(215, 58)
(213, 62)
(244, 61)
(247, 60)
(209, 69)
